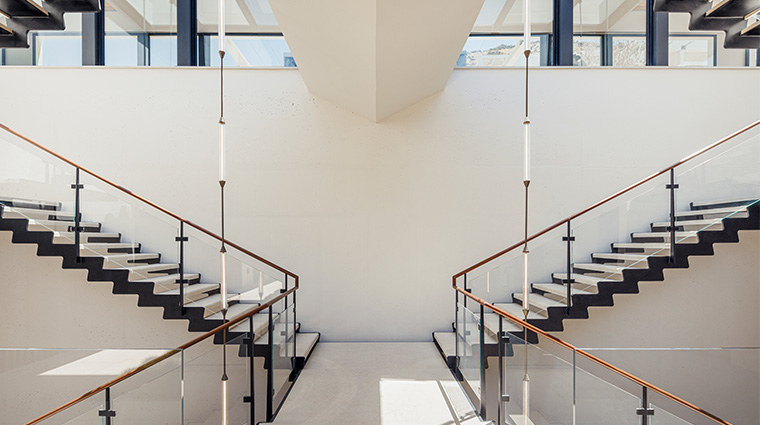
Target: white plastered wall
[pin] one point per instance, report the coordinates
(375, 218)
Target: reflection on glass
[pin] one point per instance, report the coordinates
(506, 17)
(502, 51)
(243, 50)
(691, 50)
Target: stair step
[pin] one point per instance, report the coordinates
(260, 322)
(751, 30)
(67, 238)
(516, 310)
(120, 261)
(732, 9)
(681, 237)
(37, 214)
(581, 279)
(539, 303)
(29, 203)
(702, 205)
(23, 9)
(648, 248)
(560, 290)
(193, 292)
(101, 249)
(211, 306)
(139, 272)
(711, 213)
(608, 269)
(167, 282)
(491, 321)
(713, 224)
(234, 311)
(627, 260)
(34, 225)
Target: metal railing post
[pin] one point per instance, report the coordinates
(181, 281)
(249, 343)
(270, 371)
(672, 229)
(106, 412)
(456, 331)
(77, 215)
(644, 411)
(501, 372)
(569, 281)
(483, 360)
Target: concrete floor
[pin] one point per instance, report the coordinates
(376, 384)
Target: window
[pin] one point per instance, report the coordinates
(629, 50)
(587, 50)
(248, 50)
(692, 50)
(503, 51)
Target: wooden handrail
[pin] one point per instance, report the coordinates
(593, 358)
(159, 359)
(150, 203)
(607, 199)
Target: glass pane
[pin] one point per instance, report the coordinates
(691, 50)
(61, 48)
(502, 51)
(163, 50)
(468, 349)
(506, 17)
(629, 50)
(130, 26)
(283, 354)
(245, 50)
(587, 50)
(248, 16)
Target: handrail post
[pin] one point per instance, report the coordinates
(672, 229)
(249, 343)
(456, 331)
(181, 281)
(466, 289)
(77, 215)
(569, 239)
(106, 412)
(270, 371)
(483, 360)
(644, 411)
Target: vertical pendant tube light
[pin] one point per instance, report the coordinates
(526, 183)
(222, 182)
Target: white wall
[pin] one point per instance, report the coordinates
(375, 218)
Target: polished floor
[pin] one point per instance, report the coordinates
(376, 384)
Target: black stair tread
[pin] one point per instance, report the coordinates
(611, 268)
(733, 8)
(681, 237)
(582, 278)
(123, 263)
(192, 288)
(723, 203)
(679, 5)
(516, 310)
(168, 279)
(539, 302)
(99, 249)
(714, 224)
(76, 5)
(29, 203)
(233, 311)
(36, 213)
(491, 321)
(35, 225)
(620, 256)
(68, 237)
(662, 248)
(111, 261)
(751, 30)
(5, 30)
(724, 211)
(22, 9)
(560, 290)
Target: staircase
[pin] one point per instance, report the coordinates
(22, 16)
(134, 271)
(737, 18)
(643, 258)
